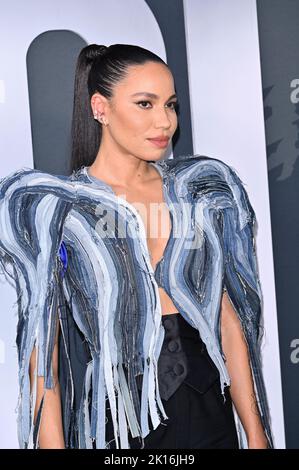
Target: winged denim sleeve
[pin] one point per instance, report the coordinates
(242, 283)
(31, 218)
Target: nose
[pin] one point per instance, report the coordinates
(162, 118)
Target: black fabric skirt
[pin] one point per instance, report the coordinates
(198, 417)
(189, 383)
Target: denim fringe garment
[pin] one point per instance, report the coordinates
(111, 289)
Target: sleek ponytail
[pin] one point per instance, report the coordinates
(86, 133)
(98, 69)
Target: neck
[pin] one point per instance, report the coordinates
(120, 168)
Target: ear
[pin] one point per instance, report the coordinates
(98, 103)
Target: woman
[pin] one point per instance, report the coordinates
(133, 338)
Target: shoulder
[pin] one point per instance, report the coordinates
(204, 172)
(29, 180)
(211, 178)
(32, 196)
(201, 166)
(34, 204)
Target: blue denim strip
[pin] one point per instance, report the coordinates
(60, 245)
(63, 257)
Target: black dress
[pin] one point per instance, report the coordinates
(189, 384)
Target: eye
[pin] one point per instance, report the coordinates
(142, 102)
(173, 104)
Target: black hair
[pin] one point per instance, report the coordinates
(99, 68)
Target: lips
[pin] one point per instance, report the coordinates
(160, 142)
(160, 139)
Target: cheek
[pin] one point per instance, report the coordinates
(128, 129)
(132, 124)
(139, 121)
(132, 121)
(175, 122)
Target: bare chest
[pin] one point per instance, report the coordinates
(155, 215)
(156, 218)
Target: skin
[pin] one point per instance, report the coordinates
(124, 150)
(51, 428)
(124, 153)
(238, 365)
(122, 162)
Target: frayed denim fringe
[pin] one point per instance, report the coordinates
(59, 245)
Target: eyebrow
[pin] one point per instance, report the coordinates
(152, 95)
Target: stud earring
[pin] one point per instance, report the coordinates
(99, 118)
(102, 120)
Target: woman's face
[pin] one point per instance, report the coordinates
(134, 118)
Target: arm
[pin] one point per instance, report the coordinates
(51, 429)
(242, 389)
(21, 244)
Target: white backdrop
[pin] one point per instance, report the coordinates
(227, 123)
